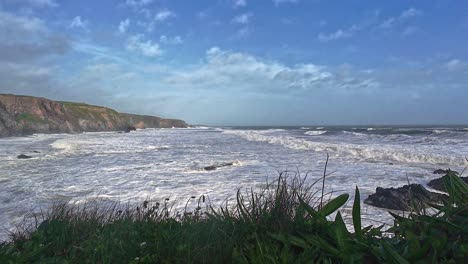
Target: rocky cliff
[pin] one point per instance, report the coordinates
(23, 115)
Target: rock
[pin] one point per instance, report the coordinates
(35, 151)
(129, 128)
(216, 166)
(438, 184)
(22, 156)
(404, 198)
(442, 171)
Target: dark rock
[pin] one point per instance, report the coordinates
(35, 151)
(129, 128)
(404, 198)
(22, 156)
(216, 166)
(438, 184)
(442, 171)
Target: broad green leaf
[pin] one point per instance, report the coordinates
(334, 205)
(395, 257)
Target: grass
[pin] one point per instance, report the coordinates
(286, 221)
(72, 103)
(27, 117)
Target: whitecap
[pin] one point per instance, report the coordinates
(380, 152)
(315, 133)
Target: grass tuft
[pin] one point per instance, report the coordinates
(285, 221)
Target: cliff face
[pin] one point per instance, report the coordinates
(23, 115)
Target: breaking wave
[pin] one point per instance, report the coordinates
(381, 152)
(315, 133)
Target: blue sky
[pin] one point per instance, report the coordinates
(244, 62)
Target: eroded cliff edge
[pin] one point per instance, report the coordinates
(24, 115)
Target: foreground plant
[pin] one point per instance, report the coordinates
(284, 222)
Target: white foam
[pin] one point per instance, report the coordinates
(354, 133)
(315, 133)
(378, 152)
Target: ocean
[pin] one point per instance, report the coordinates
(169, 163)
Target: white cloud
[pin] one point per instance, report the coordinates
(404, 16)
(167, 40)
(239, 71)
(409, 30)
(164, 15)
(278, 2)
(77, 22)
(243, 19)
(411, 12)
(339, 34)
(28, 50)
(123, 25)
(159, 17)
(388, 23)
(455, 65)
(37, 3)
(148, 48)
(138, 3)
(240, 3)
(20, 23)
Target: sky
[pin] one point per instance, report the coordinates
(244, 62)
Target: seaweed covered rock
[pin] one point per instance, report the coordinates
(404, 198)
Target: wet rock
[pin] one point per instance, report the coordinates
(22, 156)
(438, 184)
(216, 166)
(404, 198)
(442, 171)
(35, 151)
(129, 128)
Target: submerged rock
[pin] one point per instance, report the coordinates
(22, 156)
(216, 166)
(404, 198)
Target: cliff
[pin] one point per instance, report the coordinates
(23, 115)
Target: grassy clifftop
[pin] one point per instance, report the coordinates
(22, 115)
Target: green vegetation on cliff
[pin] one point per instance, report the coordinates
(282, 223)
(27, 117)
(22, 115)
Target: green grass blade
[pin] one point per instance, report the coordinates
(357, 214)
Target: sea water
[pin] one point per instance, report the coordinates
(169, 163)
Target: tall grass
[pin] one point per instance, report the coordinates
(286, 221)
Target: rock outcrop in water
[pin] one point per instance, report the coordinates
(23, 115)
(22, 156)
(438, 184)
(217, 166)
(404, 198)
